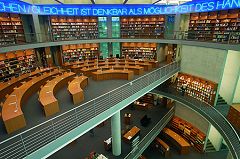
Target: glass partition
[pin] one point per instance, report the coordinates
(104, 50)
(115, 27)
(102, 27)
(116, 49)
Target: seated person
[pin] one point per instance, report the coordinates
(145, 121)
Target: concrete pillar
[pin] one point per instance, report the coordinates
(161, 52)
(116, 134)
(110, 49)
(37, 27)
(109, 27)
(169, 26)
(177, 27)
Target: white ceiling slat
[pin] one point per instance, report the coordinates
(77, 2)
(27, 1)
(170, 2)
(45, 2)
(139, 2)
(108, 1)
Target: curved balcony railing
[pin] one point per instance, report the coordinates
(33, 139)
(211, 114)
(228, 37)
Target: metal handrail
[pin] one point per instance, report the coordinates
(83, 109)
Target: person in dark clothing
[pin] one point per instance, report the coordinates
(184, 87)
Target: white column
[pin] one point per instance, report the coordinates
(116, 134)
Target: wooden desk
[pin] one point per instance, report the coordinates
(46, 95)
(147, 66)
(131, 134)
(162, 146)
(113, 74)
(12, 114)
(77, 68)
(7, 87)
(68, 65)
(138, 70)
(136, 66)
(179, 142)
(154, 63)
(88, 71)
(75, 88)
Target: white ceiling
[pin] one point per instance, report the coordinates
(158, 2)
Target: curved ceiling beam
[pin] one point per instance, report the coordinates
(157, 1)
(125, 1)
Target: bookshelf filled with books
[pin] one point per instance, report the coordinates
(77, 52)
(11, 29)
(143, 27)
(73, 28)
(196, 87)
(218, 26)
(139, 50)
(13, 64)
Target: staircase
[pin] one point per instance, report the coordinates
(209, 147)
(222, 106)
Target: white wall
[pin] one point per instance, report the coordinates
(215, 137)
(230, 76)
(192, 117)
(236, 98)
(203, 62)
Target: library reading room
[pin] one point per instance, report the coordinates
(120, 79)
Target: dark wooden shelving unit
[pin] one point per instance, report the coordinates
(143, 27)
(16, 63)
(73, 28)
(11, 29)
(78, 52)
(221, 26)
(192, 134)
(234, 116)
(139, 50)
